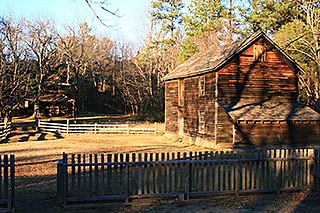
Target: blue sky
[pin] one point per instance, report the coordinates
(130, 27)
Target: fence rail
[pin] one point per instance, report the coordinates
(5, 130)
(7, 183)
(125, 176)
(94, 128)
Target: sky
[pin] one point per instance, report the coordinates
(130, 27)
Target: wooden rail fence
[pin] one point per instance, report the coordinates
(5, 130)
(7, 183)
(94, 128)
(96, 177)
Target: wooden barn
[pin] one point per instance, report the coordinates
(240, 94)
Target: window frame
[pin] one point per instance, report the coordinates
(259, 52)
(202, 86)
(202, 122)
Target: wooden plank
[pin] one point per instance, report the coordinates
(109, 175)
(13, 186)
(115, 175)
(187, 177)
(151, 174)
(173, 170)
(1, 176)
(232, 172)
(205, 172)
(73, 176)
(96, 175)
(84, 175)
(126, 179)
(5, 177)
(134, 174)
(79, 176)
(163, 173)
(145, 183)
(65, 178)
(211, 172)
(140, 168)
(157, 167)
(122, 176)
(102, 187)
(238, 175)
(168, 173)
(200, 168)
(90, 186)
(216, 172)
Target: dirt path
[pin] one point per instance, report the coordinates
(37, 155)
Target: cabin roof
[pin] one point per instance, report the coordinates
(55, 97)
(270, 110)
(216, 57)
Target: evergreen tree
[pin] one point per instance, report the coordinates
(270, 15)
(206, 24)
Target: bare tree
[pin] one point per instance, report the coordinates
(40, 36)
(14, 67)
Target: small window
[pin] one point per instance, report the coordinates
(202, 86)
(201, 121)
(259, 52)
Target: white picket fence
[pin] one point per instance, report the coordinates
(94, 128)
(5, 130)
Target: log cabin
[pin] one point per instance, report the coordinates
(243, 94)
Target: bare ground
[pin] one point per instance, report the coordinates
(37, 155)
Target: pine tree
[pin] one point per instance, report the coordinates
(206, 24)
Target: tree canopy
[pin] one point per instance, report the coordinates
(106, 76)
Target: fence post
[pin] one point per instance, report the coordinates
(59, 183)
(128, 130)
(68, 126)
(12, 176)
(62, 181)
(95, 128)
(155, 127)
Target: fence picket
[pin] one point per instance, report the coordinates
(102, 176)
(140, 169)
(1, 177)
(157, 175)
(125, 176)
(73, 176)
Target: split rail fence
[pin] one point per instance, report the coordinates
(93, 177)
(5, 130)
(7, 183)
(94, 128)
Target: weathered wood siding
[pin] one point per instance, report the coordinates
(276, 133)
(171, 106)
(250, 79)
(225, 128)
(194, 103)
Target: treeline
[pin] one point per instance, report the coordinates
(107, 76)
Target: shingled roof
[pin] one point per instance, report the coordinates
(55, 97)
(216, 57)
(271, 110)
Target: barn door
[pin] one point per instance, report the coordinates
(181, 106)
(180, 123)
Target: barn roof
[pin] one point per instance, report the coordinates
(271, 110)
(216, 57)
